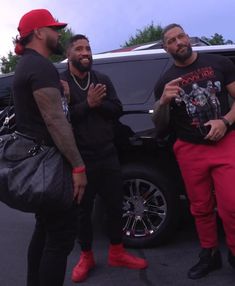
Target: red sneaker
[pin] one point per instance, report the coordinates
(119, 257)
(84, 265)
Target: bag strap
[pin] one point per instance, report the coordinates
(34, 150)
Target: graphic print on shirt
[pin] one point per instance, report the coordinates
(201, 103)
(65, 106)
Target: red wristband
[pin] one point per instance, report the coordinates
(78, 170)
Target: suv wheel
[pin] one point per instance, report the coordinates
(150, 206)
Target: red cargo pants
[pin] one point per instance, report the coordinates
(209, 176)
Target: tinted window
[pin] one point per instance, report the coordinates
(5, 90)
(133, 80)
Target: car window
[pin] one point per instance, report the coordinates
(133, 80)
(5, 90)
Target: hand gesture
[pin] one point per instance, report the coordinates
(217, 130)
(171, 90)
(95, 95)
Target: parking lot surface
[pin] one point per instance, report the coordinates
(168, 264)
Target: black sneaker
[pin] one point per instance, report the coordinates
(210, 260)
(231, 259)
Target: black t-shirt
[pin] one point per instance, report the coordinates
(32, 73)
(204, 95)
(93, 127)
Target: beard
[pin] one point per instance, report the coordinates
(55, 47)
(184, 56)
(79, 66)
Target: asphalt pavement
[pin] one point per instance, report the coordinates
(168, 263)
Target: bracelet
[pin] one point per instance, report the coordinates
(78, 170)
(226, 122)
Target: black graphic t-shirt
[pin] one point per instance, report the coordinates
(204, 96)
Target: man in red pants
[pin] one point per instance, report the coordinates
(192, 99)
(94, 107)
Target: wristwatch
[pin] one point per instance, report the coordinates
(226, 122)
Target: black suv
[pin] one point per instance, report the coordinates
(152, 182)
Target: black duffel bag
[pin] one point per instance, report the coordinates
(33, 177)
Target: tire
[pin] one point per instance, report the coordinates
(150, 206)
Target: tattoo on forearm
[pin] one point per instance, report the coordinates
(50, 106)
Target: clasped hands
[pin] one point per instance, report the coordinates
(96, 94)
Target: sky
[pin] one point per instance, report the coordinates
(110, 23)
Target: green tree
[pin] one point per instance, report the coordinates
(8, 63)
(149, 33)
(217, 39)
(153, 33)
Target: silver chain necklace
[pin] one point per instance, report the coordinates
(88, 82)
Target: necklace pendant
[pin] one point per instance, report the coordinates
(77, 83)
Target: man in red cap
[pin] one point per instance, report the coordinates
(32, 21)
(41, 114)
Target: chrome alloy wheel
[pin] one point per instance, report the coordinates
(144, 208)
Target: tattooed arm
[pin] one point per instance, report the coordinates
(49, 104)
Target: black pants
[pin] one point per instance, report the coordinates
(51, 243)
(104, 178)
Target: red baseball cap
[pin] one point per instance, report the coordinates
(35, 19)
